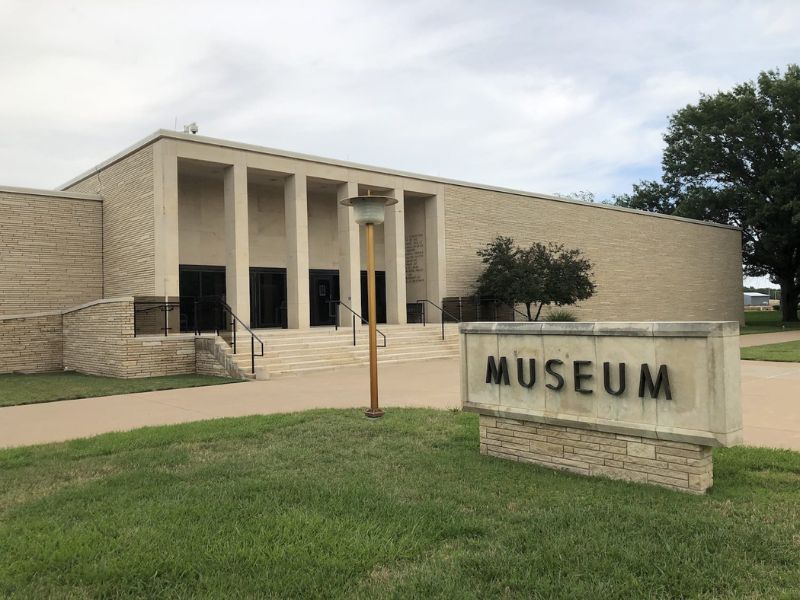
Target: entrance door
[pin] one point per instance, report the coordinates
(267, 297)
(323, 292)
(380, 295)
(198, 282)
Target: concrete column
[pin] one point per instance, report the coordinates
(349, 255)
(167, 258)
(237, 241)
(394, 237)
(434, 254)
(296, 205)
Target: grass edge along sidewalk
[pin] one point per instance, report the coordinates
(765, 322)
(781, 352)
(33, 388)
(328, 504)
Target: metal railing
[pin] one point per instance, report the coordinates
(476, 309)
(223, 319)
(424, 302)
(150, 307)
(337, 303)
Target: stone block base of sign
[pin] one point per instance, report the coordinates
(681, 466)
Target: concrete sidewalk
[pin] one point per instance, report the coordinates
(432, 383)
(762, 339)
(771, 398)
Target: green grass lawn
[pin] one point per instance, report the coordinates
(783, 352)
(16, 388)
(765, 322)
(327, 504)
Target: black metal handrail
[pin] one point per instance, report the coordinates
(168, 306)
(234, 319)
(477, 300)
(165, 306)
(443, 311)
(332, 303)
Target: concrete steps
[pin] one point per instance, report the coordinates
(291, 352)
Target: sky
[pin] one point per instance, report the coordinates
(550, 97)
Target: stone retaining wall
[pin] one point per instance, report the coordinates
(95, 337)
(676, 465)
(98, 339)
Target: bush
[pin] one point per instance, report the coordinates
(561, 315)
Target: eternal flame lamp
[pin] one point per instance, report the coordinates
(369, 211)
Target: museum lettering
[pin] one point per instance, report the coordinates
(556, 374)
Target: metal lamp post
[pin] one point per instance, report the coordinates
(369, 211)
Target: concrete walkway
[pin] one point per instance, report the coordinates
(762, 339)
(771, 398)
(432, 384)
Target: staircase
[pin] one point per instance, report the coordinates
(293, 351)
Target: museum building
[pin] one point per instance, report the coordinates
(179, 217)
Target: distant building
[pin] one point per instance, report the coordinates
(756, 299)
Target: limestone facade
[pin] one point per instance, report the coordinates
(129, 217)
(175, 199)
(647, 267)
(50, 250)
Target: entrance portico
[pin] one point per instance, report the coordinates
(269, 221)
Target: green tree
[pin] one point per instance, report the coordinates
(535, 276)
(734, 157)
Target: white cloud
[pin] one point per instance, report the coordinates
(546, 96)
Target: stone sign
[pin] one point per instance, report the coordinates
(639, 401)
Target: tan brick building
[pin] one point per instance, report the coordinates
(177, 215)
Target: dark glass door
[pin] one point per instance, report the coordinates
(267, 297)
(200, 286)
(380, 295)
(324, 290)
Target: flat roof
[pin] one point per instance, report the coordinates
(25, 191)
(199, 139)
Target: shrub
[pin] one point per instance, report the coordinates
(561, 315)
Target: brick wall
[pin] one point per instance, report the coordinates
(50, 251)
(152, 356)
(98, 339)
(95, 337)
(677, 465)
(206, 363)
(31, 344)
(127, 188)
(646, 267)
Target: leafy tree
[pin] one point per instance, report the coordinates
(498, 279)
(734, 158)
(536, 276)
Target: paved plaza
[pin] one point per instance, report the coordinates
(770, 398)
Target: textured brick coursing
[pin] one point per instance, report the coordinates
(99, 339)
(50, 252)
(31, 344)
(677, 465)
(127, 188)
(206, 363)
(214, 357)
(646, 267)
(95, 338)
